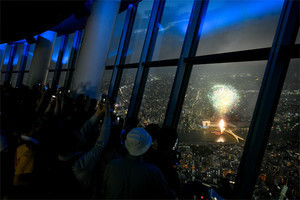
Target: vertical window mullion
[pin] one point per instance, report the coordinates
(122, 50)
(146, 56)
(10, 62)
(23, 64)
(59, 61)
(183, 72)
(267, 102)
(73, 58)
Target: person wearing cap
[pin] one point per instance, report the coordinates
(131, 177)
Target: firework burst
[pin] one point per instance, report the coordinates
(224, 98)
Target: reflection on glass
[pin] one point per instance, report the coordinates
(66, 54)
(217, 92)
(50, 78)
(2, 78)
(172, 29)
(25, 78)
(6, 58)
(298, 37)
(2, 52)
(115, 40)
(279, 173)
(55, 53)
(18, 57)
(125, 90)
(29, 57)
(104, 86)
(156, 95)
(62, 78)
(139, 31)
(239, 25)
(14, 79)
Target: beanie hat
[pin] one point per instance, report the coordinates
(138, 141)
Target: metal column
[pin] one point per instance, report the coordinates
(122, 50)
(23, 64)
(146, 56)
(58, 67)
(267, 102)
(73, 58)
(10, 62)
(183, 69)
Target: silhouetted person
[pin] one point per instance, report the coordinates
(131, 177)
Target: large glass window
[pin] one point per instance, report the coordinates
(104, 86)
(156, 95)
(18, 57)
(6, 58)
(125, 91)
(28, 63)
(67, 53)
(139, 31)
(217, 95)
(172, 29)
(115, 40)
(279, 173)
(239, 25)
(298, 37)
(16, 64)
(2, 52)
(55, 52)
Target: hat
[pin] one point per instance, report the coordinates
(138, 141)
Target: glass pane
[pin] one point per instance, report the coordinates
(55, 53)
(217, 92)
(62, 79)
(2, 78)
(172, 29)
(6, 58)
(50, 78)
(25, 78)
(103, 89)
(67, 53)
(239, 25)
(125, 91)
(18, 57)
(156, 95)
(2, 52)
(279, 173)
(29, 57)
(115, 40)
(298, 37)
(14, 79)
(139, 31)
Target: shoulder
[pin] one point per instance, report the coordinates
(24, 150)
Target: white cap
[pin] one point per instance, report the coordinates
(138, 141)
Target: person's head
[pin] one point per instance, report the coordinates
(138, 141)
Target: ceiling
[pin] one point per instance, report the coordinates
(22, 19)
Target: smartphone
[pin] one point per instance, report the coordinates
(53, 96)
